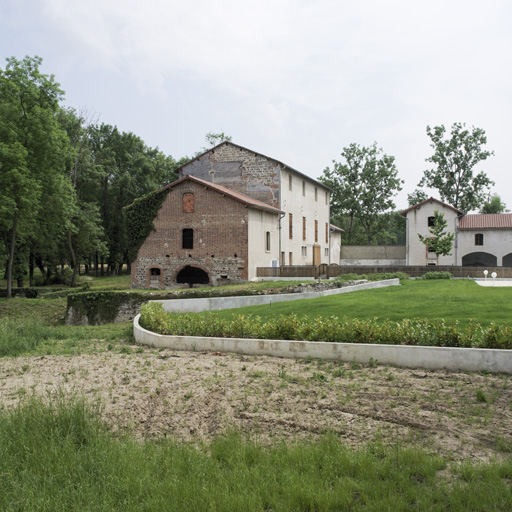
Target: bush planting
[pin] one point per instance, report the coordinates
(437, 275)
(416, 331)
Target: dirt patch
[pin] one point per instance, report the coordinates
(195, 396)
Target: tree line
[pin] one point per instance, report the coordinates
(364, 183)
(65, 179)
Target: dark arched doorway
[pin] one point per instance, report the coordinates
(192, 275)
(507, 260)
(479, 259)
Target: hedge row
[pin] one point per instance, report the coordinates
(415, 331)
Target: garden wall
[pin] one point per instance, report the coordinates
(432, 358)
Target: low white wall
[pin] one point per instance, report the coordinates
(217, 303)
(432, 358)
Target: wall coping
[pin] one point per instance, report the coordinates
(218, 303)
(431, 358)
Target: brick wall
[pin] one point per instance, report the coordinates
(220, 234)
(239, 169)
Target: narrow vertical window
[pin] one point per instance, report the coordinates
(326, 232)
(316, 231)
(316, 194)
(187, 239)
(303, 228)
(303, 188)
(290, 225)
(290, 186)
(188, 203)
(326, 197)
(267, 241)
(290, 258)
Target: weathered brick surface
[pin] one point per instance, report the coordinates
(239, 169)
(220, 227)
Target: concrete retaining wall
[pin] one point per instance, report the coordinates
(432, 358)
(217, 303)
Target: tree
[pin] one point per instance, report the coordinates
(440, 241)
(416, 197)
(493, 205)
(33, 150)
(363, 187)
(456, 157)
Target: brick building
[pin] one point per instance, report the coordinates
(233, 210)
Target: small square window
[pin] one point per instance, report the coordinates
(479, 239)
(431, 221)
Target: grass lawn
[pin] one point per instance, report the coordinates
(449, 299)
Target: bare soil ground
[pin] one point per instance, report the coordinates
(196, 396)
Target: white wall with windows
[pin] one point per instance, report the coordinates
(305, 231)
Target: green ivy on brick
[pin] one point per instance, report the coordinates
(139, 218)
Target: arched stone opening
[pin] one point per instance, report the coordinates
(192, 275)
(507, 260)
(479, 259)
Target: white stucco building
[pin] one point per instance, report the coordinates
(480, 239)
(231, 211)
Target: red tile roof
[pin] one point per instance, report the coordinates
(486, 221)
(249, 201)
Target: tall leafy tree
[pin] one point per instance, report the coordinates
(33, 149)
(494, 204)
(440, 241)
(416, 197)
(455, 156)
(362, 187)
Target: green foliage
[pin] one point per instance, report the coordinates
(18, 336)
(437, 275)
(415, 331)
(139, 217)
(455, 158)
(494, 204)
(416, 197)
(440, 241)
(363, 187)
(378, 276)
(59, 455)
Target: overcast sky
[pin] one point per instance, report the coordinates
(296, 80)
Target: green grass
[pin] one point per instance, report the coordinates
(60, 456)
(456, 299)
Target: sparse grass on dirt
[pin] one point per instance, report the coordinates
(60, 456)
(156, 430)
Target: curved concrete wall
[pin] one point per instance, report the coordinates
(432, 358)
(217, 303)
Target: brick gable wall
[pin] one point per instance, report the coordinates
(220, 227)
(240, 170)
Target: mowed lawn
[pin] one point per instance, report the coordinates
(456, 299)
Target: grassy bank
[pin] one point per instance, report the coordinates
(60, 456)
(456, 299)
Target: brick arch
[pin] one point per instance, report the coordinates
(192, 274)
(151, 279)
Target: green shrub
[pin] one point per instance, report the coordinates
(379, 276)
(416, 331)
(438, 275)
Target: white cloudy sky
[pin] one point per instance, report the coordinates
(296, 80)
